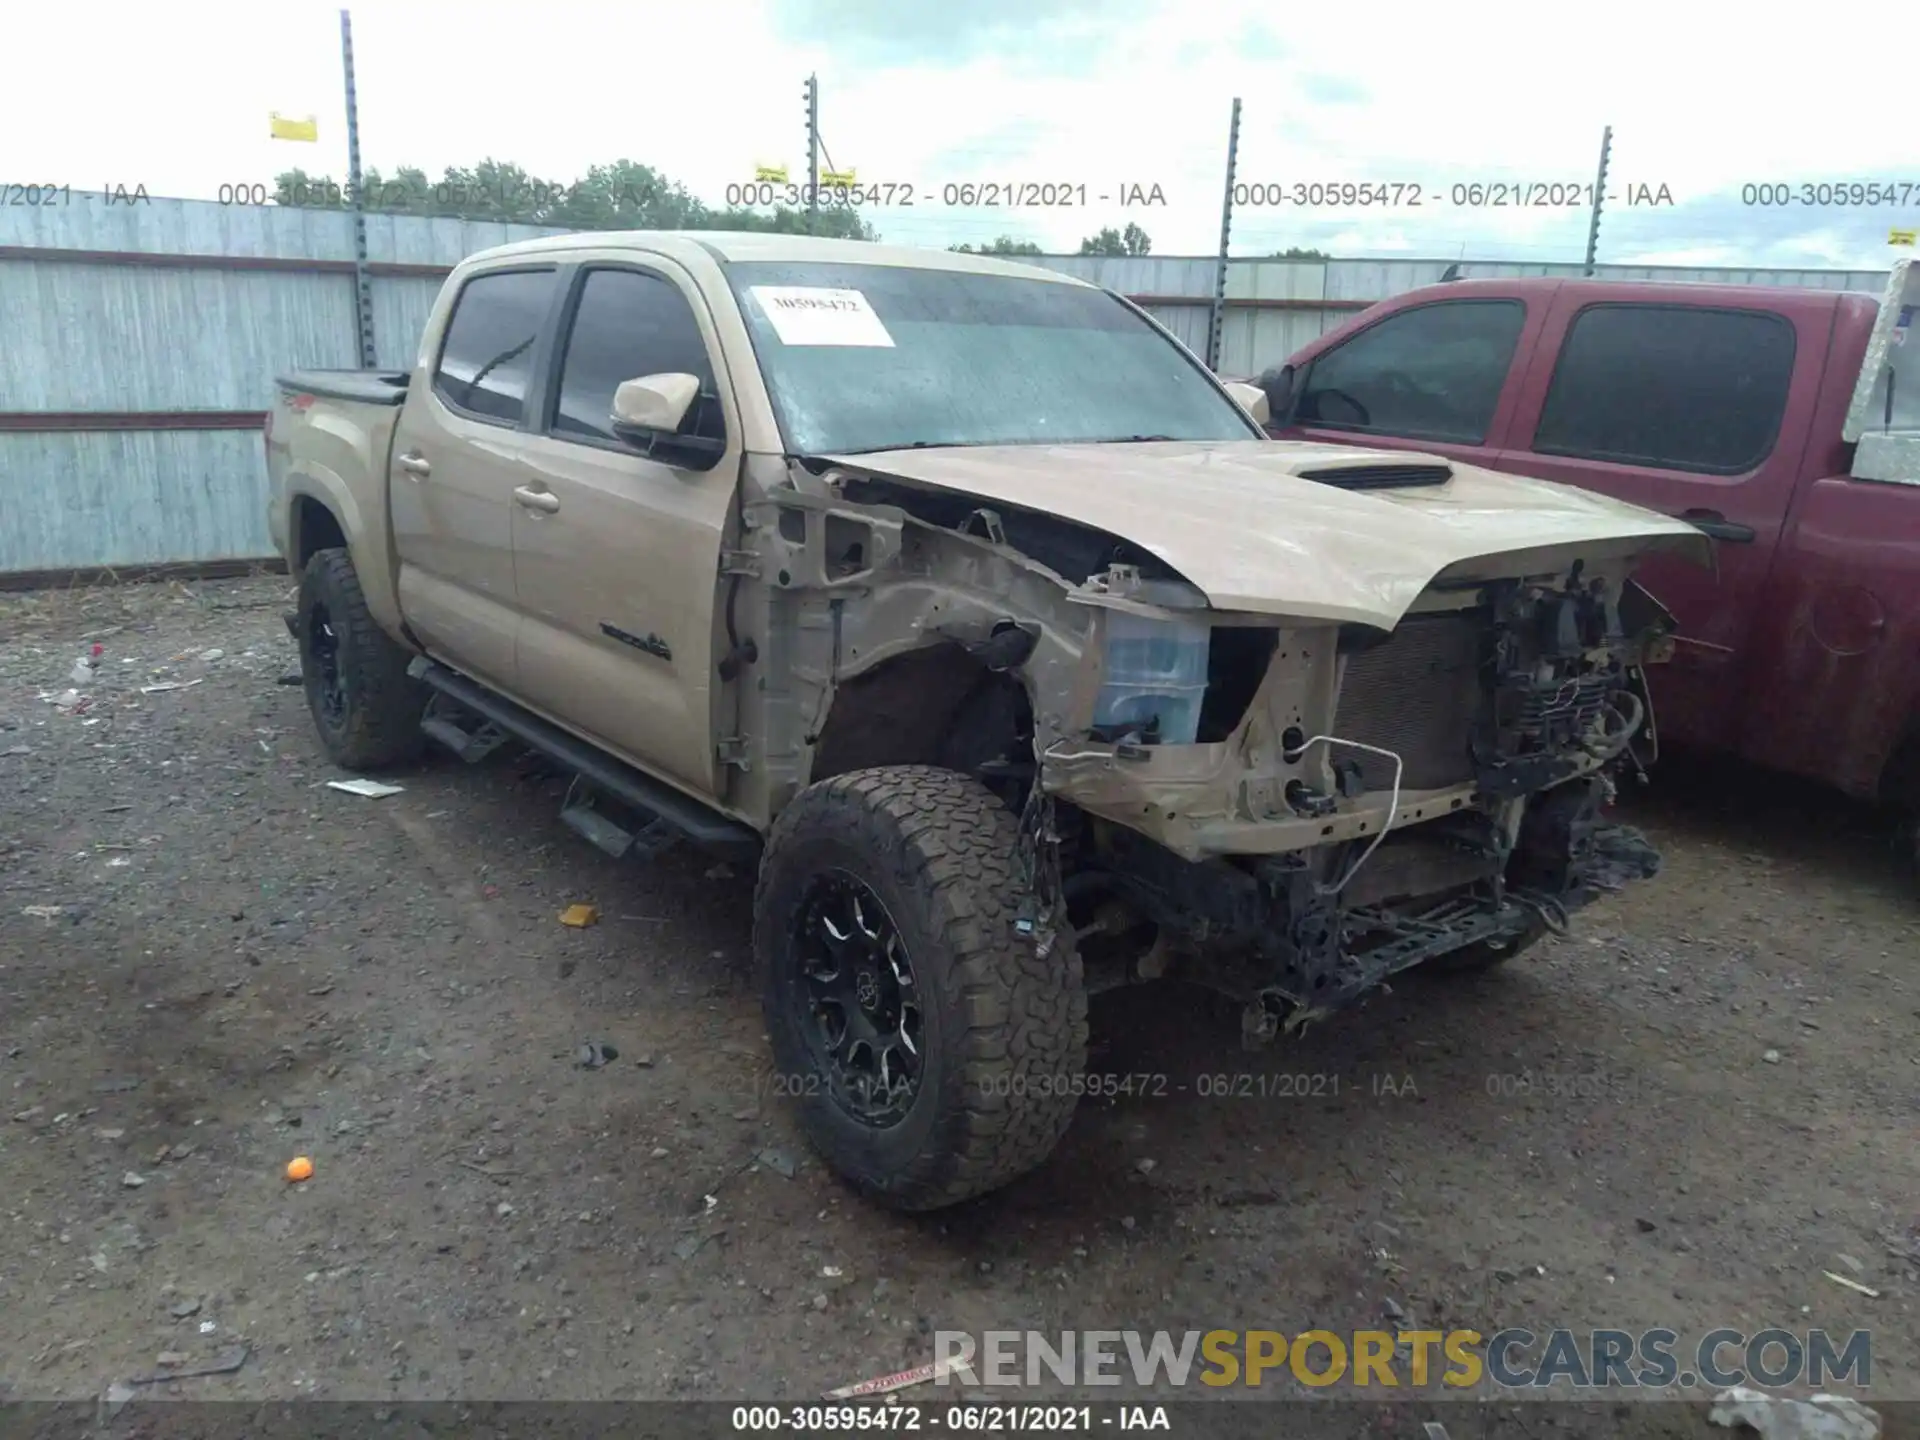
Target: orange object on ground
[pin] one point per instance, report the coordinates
(300, 1168)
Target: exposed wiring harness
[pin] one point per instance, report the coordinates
(1552, 913)
(1393, 805)
(1609, 746)
(1077, 754)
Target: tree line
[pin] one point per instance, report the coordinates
(626, 195)
(1109, 241)
(623, 195)
(1130, 241)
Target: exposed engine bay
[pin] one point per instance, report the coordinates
(1512, 712)
(1289, 809)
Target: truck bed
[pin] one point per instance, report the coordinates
(330, 436)
(367, 387)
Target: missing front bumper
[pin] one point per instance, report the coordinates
(1276, 935)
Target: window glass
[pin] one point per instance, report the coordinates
(488, 355)
(881, 357)
(1434, 372)
(1670, 386)
(630, 324)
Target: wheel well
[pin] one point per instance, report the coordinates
(936, 706)
(312, 528)
(1900, 780)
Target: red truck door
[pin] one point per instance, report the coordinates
(1840, 628)
(1842, 631)
(1698, 405)
(1436, 372)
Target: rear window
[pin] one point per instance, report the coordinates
(1668, 386)
(487, 358)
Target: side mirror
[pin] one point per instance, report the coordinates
(648, 413)
(1277, 384)
(1252, 397)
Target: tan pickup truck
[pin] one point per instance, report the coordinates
(961, 595)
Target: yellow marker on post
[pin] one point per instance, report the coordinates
(290, 127)
(1901, 237)
(772, 174)
(839, 179)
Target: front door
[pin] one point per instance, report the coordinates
(1697, 411)
(1431, 377)
(458, 454)
(617, 557)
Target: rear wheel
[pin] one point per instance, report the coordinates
(933, 1053)
(364, 704)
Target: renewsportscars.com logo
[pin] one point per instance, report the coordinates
(1387, 1359)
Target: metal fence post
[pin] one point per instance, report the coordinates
(813, 152)
(1599, 199)
(1217, 317)
(362, 282)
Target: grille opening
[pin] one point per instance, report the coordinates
(1237, 659)
(1416, 693)
(1379, 477)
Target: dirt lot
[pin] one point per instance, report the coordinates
(210, 963)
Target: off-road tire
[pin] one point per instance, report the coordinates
(379, 725)
(1004, 1029)
(1486, 954)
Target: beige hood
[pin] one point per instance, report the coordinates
(1237, 520)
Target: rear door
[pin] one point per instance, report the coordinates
(458, 454)
(1840, 630)
(617, 556)
(1430, 375)
(1699, 409)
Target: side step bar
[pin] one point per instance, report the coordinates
(618, 835)
(703, 826)
(442, 723)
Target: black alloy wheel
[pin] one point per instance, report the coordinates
(329, 686)
(932, 1048)
(864, 1026)
(365, 706)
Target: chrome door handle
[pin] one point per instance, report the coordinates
(414, 463)
(537, 499)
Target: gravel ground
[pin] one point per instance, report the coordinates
(211, 963)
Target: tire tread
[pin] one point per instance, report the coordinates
(1022, 1016)
(385, 703)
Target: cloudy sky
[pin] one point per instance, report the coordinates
(1100, 94)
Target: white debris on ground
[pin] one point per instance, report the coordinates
(369, 789)
(128, 681)
(1776, 1417)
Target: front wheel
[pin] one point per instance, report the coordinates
(934, 1054)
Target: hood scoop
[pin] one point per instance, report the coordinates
(1379, 477)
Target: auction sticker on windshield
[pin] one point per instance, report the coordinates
(813, 315)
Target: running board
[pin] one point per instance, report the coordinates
(702, 825)
(641, 832)
(473, 744)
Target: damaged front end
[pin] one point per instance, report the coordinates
(1302, 806)
(1388, 798)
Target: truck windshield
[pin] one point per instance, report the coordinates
(881, 357)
